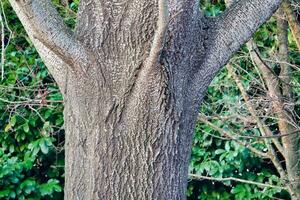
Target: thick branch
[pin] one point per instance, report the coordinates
(43, 23)
(285, 69)
(228, 32)
(292, 142)
(235, 27)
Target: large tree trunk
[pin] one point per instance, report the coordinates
(133, 133)
(133, 75)
(139, 150)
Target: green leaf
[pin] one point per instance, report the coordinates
(26, 127)
(227, 146)
(13, 120)
(44, 146)
(7, 127)
(12, 195)
(51, 186)
(4, 193)
(219, 151)
(11, 148)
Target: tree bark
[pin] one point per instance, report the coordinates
(138, 150)
(132, 84)
(286, 121)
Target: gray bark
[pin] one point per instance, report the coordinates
(132, 83)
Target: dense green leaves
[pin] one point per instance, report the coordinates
(31, 135)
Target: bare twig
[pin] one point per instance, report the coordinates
(262, 127)
(200, 177)
(2, 46)
(233, 137)
(4, 24)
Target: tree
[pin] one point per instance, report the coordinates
(132, 75)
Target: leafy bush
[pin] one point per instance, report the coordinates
(31, 134)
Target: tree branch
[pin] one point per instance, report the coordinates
(233, 137)
(270, 80)
(199, 177)
(292, 19)
(2, 45)
(263, 128)
(292, 142)
(43, 24)
(265, 131)
(235, 27)
(228, 32)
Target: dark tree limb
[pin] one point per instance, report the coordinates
(226, 34)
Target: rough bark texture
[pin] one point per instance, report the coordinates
(132, 83)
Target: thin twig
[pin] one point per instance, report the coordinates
(200, 177)
(233, 137)
(265, 131)
(3, 21)
(2, 46)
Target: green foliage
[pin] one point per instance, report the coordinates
(31, 137)
(68, 12)
(212, 8)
